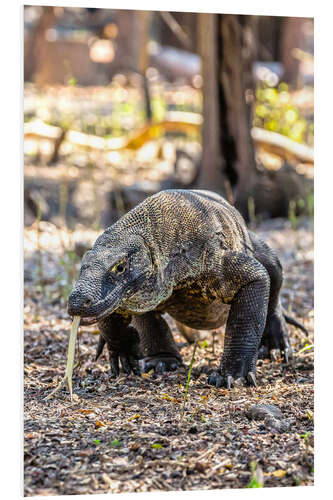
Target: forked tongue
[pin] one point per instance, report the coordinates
(70, 359)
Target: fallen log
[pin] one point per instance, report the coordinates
(175, 121)
(281, 145)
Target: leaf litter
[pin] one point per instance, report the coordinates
(68, 444)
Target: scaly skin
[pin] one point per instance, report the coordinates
(189, 254)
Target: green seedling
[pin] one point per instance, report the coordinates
(256, 476)
(157, 446)
(115, 443)
(188, 380)
(292, 215)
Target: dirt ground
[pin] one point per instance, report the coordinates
(128, 434)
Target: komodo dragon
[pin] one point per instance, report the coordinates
(187, 253)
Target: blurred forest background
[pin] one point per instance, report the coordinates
(118, 105)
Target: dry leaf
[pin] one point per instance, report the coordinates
(98, 423)
(134, 417)
(279, 473)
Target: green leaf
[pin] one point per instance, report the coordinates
(157, 446)
(97, 441)
(254, 484)
(72, 81)
(115, 443)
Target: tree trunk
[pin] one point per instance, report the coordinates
(227, 47)
(292, 38)
(33, 46)
(132, 48)
(211, 173)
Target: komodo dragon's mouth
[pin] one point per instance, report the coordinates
(91, 320)
(110, 305)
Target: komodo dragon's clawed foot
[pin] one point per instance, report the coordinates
(275, 340)
(129, 365)
(272, 354)
(227, 381)
(161, 363)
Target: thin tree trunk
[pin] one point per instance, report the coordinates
(211, 174)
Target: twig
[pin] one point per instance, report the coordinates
(177, 29)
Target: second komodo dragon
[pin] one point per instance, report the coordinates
(187, 253)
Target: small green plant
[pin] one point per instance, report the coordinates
(256, 480)
(307, 347)
(292, 215)
(115, 443)
(310, 204)
(188, 380)
(72, 82)
(97, 441)
(157, 446)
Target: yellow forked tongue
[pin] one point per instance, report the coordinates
(70, 359)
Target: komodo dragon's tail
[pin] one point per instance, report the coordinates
(293, 321)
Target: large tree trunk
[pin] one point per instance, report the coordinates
(227, 49)
(33, 46)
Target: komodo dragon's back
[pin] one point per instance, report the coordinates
(179, 215)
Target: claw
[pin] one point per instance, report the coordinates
(160, 367)
(147, 367)
(229, 381)
(251, 378)
(212, 378)
(125, 365)
(114, 366)
(272, 354)
(135, 366)
(218, 382)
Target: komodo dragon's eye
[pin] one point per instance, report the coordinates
(119, 267)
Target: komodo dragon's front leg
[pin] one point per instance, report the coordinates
(156, 343)
(123, 343)
(242, 281)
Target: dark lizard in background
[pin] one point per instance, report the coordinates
(187, 253)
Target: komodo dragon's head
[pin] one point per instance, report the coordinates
(118, 272)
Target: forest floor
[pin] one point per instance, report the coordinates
(128, 434)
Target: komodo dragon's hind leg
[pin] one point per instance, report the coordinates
(275, 336)
(156, 343)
